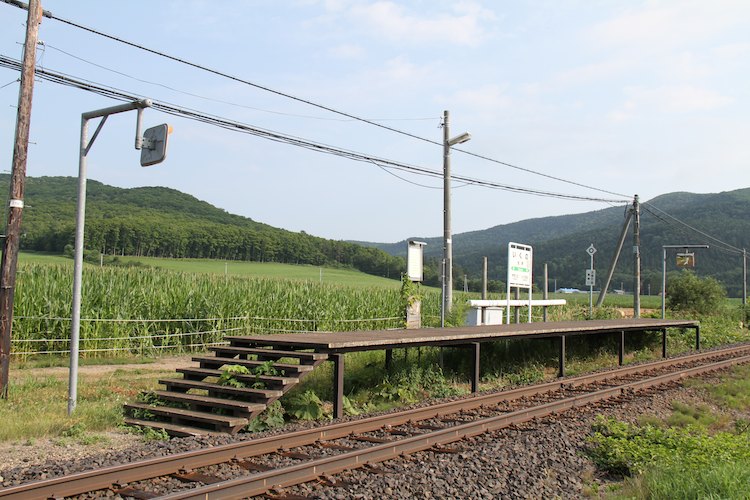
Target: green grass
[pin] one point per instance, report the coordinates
(272, 270)
(694, 453)
(37, 404)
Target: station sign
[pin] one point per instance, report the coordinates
(519, 265)
(686, 260)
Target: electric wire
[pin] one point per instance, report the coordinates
(10, 83)
(702, 233)
(174, 110)
(211, 99)
(216, 72)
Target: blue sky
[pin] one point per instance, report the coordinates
(636, 97)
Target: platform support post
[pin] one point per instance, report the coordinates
(621, 353)
(338, 385)
(698, 338)
(561, 371)
(475, 367)
(388, 359)
(664, 343)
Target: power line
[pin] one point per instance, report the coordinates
(677, 223)
(174, 110)
(49, 15)
(222, 101)
(712, 238)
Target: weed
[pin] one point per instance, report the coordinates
(147, 433)
(271, 418)
(74, 431)
(306, 406)
(229, 375)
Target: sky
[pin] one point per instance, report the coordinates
(635, 97)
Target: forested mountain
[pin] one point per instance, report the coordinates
(163, 222)
(561, 242)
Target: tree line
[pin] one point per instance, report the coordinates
(162, 222)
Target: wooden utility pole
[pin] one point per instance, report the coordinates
(636, 258)
(17, 181)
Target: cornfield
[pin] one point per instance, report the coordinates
(140, 310)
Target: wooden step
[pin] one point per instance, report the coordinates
(218, 362)
(266, 354)
(270, 381)
(180, 416)
(260, 395)
(237, 346)
(196, 402)
(171, 429)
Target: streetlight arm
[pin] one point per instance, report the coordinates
(128, 106)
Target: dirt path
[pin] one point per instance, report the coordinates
(168, 363)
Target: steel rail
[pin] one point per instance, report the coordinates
(260, 483)
(159, 466)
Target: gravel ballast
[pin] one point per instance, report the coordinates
(542, 459)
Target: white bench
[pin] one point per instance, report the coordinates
(493, 309)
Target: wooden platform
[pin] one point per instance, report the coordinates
(336, 344)
(200, 402)
(341, 342)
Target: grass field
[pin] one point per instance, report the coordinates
(348, 277)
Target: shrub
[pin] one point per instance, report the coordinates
(687, 292)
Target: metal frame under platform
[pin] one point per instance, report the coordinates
(336, 344)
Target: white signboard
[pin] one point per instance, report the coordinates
(414, 259)
(590, 277)
(520, 260)
(519, 265)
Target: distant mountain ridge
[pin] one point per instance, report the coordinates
(561, 241)
(159, 221)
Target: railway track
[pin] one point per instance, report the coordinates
(255, 467)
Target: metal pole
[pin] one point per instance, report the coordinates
(17, 185)
(591, 289)
(75, 324)
(447, 243)
(484, 288)
(636, 258)
(744, 277)
(663, 282)
(545, 295)
(442, 292)
(85, 147)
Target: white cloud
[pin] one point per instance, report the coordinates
(668, 100)
(464, 25)
(347, 51)
(486, 98)
(662, 25)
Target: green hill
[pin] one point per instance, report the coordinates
(163, 222)
(561, 242)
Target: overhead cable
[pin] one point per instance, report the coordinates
(685, 224)
(48, 14)
(174, 110)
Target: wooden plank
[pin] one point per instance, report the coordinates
(242, 345)
(171, 429)
(199, 400)
(224, 389)
(169, 411)
(271, 381)
(217, 361)
(268, 353)
(382, 339)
